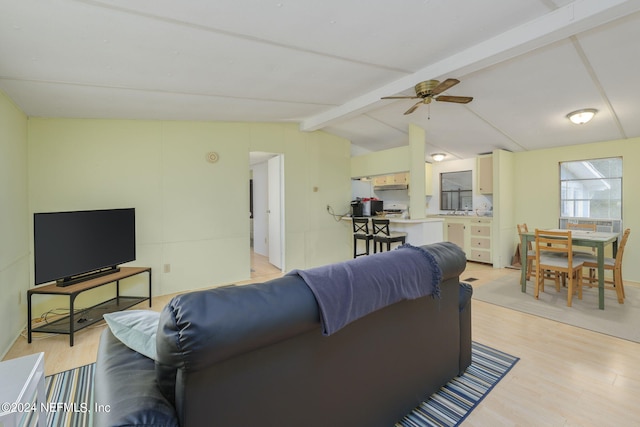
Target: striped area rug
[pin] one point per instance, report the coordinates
(450, 405)
(71, 402)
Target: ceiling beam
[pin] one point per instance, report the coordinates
(576, 17)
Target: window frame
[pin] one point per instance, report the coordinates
(562, 183)
(463, 194)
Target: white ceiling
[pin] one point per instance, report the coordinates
(326, 64)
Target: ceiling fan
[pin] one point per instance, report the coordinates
(427, 91)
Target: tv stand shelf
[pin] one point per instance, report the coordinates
(77, 321)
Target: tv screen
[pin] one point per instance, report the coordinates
(70, 244)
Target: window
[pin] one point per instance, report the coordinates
(591, 188)
(456, 191)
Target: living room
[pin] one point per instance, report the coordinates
(191, 212)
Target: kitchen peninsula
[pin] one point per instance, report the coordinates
(420, 231)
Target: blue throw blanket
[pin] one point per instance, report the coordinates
(352, 289)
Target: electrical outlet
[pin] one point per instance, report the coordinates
(167, 268)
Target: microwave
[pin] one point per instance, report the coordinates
(366, 207)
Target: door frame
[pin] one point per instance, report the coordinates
(258, 163)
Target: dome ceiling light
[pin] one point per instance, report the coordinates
(581, 117)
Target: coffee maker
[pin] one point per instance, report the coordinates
(366, 207)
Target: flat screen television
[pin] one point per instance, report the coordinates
(70, 247)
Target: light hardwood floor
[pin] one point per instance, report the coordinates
(566, 376)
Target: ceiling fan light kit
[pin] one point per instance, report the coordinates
(438, 157)
(583, 116)
(427, 90)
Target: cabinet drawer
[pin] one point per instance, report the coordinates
(481, 243)
(485, 221)
(481, 256)
(477, 230)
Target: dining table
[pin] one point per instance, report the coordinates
(594, 239)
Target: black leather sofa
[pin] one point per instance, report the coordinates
(255, 355)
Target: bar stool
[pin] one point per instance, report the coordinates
(361, 232)
(381, 234)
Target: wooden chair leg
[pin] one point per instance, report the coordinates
(579, 281)
(619, 287)
(570, 291)
(557, 282)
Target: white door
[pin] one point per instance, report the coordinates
(276, 211)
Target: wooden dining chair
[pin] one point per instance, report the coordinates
(554, 252)
(531, 254)
(583, 227)
(610, 264)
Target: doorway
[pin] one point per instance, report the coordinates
(267, 211)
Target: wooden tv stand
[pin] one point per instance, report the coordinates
(70, 324)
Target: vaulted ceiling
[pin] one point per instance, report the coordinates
(326, 64)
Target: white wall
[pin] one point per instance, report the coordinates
(14, 223)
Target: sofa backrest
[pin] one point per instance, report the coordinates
(206, 331)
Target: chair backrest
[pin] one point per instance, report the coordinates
(557, 242)
(584, 227)
(621, 246)
(381, 226)
(360, 225)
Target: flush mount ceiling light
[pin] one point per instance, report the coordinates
(581, 117)
(438, 157)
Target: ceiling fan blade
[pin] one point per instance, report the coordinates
(400, 97)
(457, 99)
(444, 86)
(412, 109)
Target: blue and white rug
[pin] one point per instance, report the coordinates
(450, 405)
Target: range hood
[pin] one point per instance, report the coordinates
(390, 187)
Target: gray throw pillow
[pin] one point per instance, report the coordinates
(136, 329)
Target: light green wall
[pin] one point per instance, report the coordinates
(14, 246)
(504, 225)
(417, 169)
(381, 162)
(192, 214)
(537, 199)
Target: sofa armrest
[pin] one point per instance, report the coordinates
(451, 259)
(125, 384)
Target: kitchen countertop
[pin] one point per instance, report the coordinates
(405, 220)
(420, 231)
(414, 221)
(458, 216)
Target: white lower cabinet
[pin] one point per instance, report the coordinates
(473, 235)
